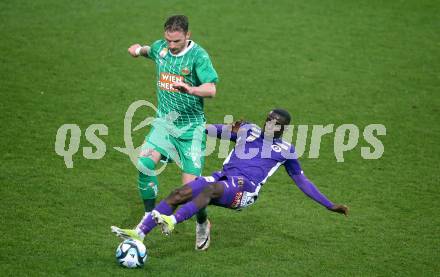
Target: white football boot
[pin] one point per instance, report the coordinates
(203, 235)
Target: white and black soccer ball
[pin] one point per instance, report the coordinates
(131, 253)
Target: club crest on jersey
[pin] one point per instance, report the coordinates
(285, 145)
(209, 179)
(163, 52)
(185, 71)
(276, 148)
(251, 138)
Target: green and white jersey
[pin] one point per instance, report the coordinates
(192, 66)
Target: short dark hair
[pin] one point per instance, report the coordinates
(285, 115)
(176, 23)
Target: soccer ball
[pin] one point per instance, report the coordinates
(131, 253)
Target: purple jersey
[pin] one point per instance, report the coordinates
(252, 161)
(255, 157)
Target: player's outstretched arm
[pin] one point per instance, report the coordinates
(224, 131)
(137, 50)
(308, 188)
(206, 90)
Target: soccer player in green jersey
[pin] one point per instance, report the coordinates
(185, 76)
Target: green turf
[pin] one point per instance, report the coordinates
(328, 62)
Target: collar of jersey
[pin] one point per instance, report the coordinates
(191, 45)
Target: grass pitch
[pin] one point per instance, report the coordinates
(333, 62)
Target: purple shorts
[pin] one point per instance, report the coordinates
(238, 193)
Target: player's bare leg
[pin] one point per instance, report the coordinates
(162, 214)
(183, 196)
(179, 196)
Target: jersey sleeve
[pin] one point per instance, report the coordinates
(205, 70)
(305, 185)
(293, 167)
(221, 131)
(155, 49)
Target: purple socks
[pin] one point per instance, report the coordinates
(186, 211)
(183, 213)
(148, 224)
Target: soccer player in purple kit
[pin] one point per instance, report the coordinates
(256, 156)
